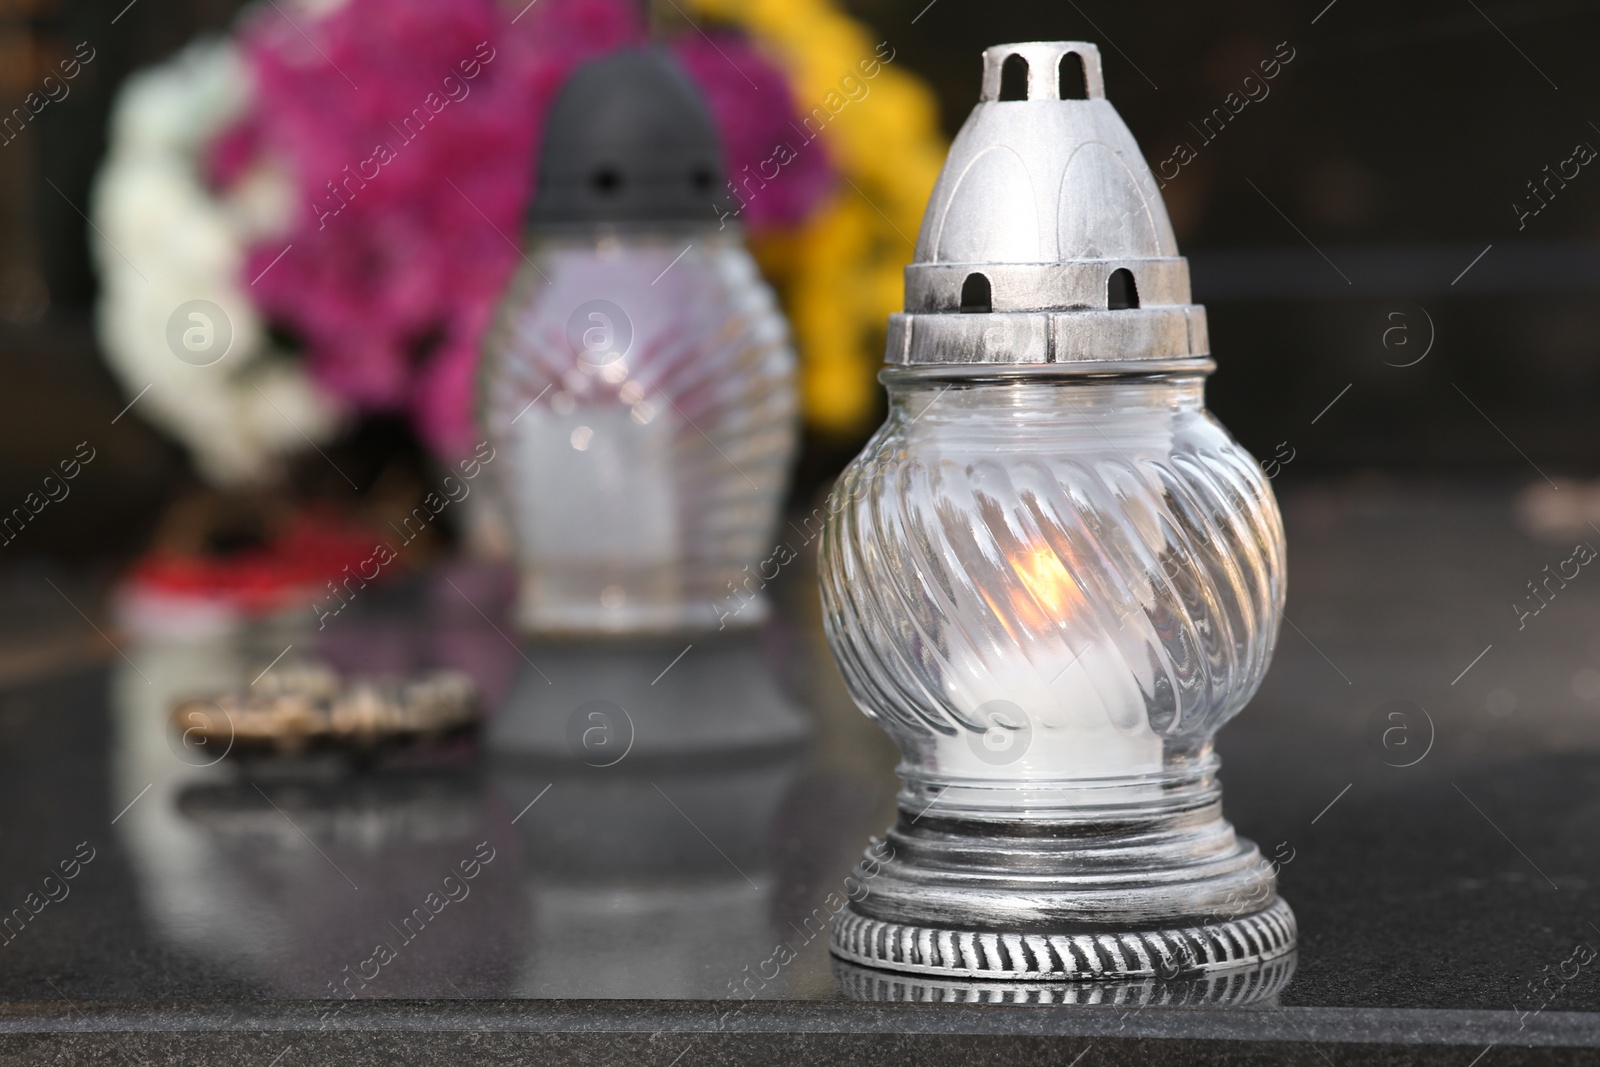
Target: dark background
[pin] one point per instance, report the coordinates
(1387, 156)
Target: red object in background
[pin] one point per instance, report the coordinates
(291, 568)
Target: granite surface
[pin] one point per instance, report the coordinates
(1442, 875)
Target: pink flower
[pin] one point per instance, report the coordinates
(760, 130)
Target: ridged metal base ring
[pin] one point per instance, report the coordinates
(1166, 954)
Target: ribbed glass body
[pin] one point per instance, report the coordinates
(638, 387)
(1051, 592)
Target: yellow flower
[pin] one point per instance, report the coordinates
(840, 274)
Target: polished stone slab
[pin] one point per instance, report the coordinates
(1443, 876)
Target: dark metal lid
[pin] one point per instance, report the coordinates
(629, 139)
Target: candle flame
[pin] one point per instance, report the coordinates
(1048, 591)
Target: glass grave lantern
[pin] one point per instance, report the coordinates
(638, 381)
(1051, 576)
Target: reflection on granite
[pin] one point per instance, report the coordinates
(298, 882)
(625, 893)
(648, 903)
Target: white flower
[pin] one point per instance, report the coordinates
(162, 240)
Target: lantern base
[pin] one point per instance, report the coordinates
(1157, 886)
(1230, 988)
(1067, 955)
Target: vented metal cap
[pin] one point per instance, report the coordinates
(629, 139)
(1046, 240)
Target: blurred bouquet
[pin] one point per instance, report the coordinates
(344, 184)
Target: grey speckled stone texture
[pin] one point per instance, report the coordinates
(628, 913)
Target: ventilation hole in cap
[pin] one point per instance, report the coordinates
(1074, 84)
(1121, 292)
(975, 295)
(701, 179)
(606, 180)
(1014, 78)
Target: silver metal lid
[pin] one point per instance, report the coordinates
(1046, 240)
